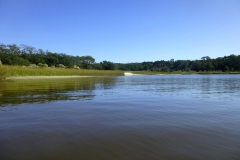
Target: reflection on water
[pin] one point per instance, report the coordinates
(135, 117)
(47, 90)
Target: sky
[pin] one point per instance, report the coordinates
(124, 31)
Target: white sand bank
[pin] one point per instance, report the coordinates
(131, 74)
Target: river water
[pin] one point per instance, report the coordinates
(126, 117)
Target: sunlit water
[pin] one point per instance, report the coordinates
(128, 117)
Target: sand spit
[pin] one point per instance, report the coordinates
(131, 74)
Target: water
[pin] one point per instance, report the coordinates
(128, 117)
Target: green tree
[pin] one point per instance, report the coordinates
(106, 65)
(86, 62)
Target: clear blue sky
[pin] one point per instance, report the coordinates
(124, 30)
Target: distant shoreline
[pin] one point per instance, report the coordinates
(75, 76)
(56, 77)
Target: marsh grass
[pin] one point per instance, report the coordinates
(9, 71)
(3, 72)
(218, 72)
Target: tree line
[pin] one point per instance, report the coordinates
(225, 64)
(27, 55)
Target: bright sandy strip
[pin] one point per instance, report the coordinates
(45, 77)
(131, 74)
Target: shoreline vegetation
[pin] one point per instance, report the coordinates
(23, 55)
(138, 73)
(22, 72)
(180, 72)
(28, 62)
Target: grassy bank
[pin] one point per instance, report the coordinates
(12, 71)
(3, 72)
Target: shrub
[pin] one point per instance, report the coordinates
(42, 65)
(60, 66)
(164, 69)
(76, 67)
(33, 66)
(188, 70)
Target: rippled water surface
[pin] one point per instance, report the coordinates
(128, 117)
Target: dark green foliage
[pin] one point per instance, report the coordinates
(165, 69)
(26, 55)
(106, 65)
(86, 62)
(226, 63)
(12, 59)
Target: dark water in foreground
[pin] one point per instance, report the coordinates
(135, 117)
